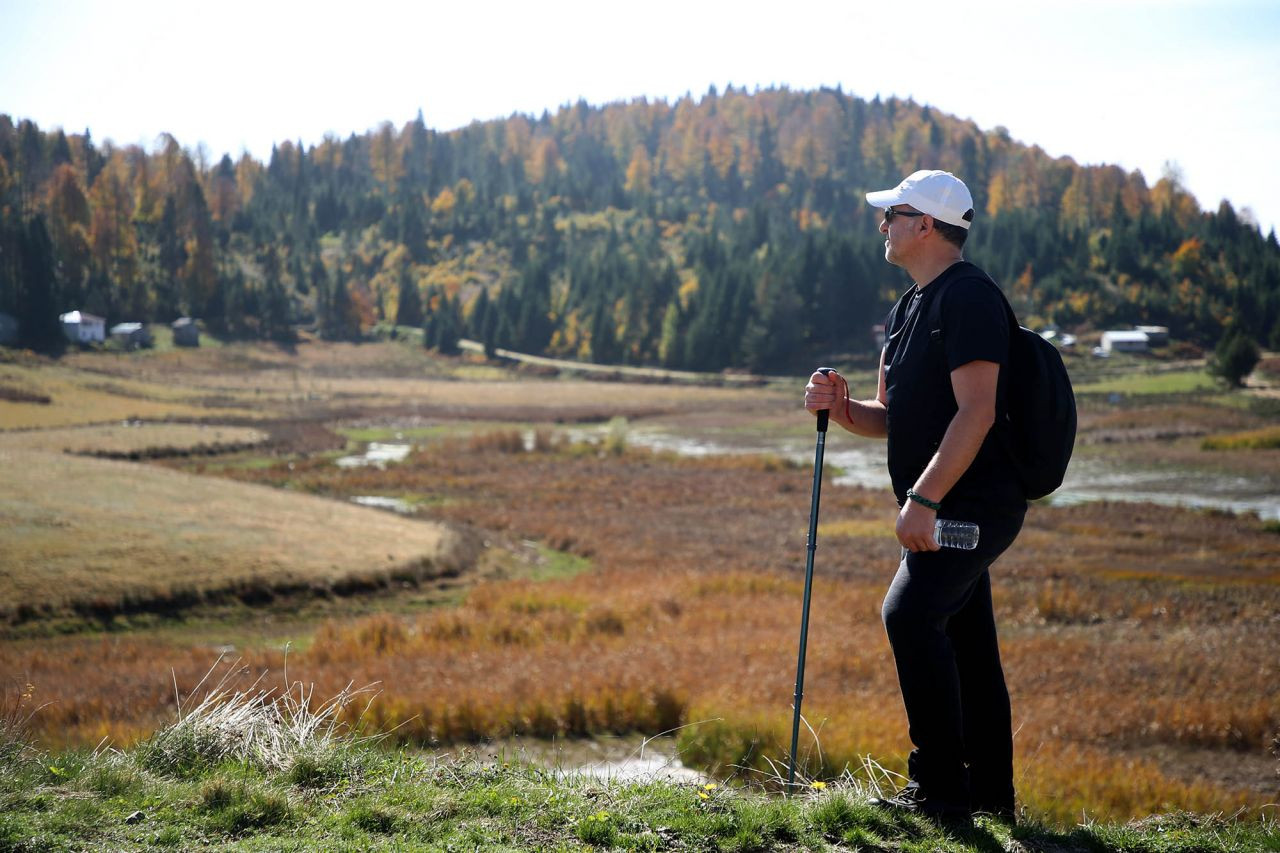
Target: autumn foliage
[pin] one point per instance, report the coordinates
(692, 234)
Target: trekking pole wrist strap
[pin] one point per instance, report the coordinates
(913, 495)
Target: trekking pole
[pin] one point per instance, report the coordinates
(823, 416)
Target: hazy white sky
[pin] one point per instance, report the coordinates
(1134, 82)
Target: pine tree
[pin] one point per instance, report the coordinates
(478, 320)
(409, 307)
(412, 226)
(442, 328)
(38, 306)
(1235, 357)
(604, 344)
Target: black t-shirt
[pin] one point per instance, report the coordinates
(921, 402)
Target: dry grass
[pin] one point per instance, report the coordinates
(79, 397)
(263, 380)
(1128, 631)
(99, 535)
(131, 437)
(262, 727)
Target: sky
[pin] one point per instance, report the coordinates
(1138, 83)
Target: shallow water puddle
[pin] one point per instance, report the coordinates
(377, 454)
(642, 768)
(626, 758)
(1086, 480)
(381, 502)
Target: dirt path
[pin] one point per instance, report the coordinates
(619, 369)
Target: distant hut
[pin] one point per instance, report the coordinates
(82, 328)
(185, 332)
(8, 329)
(131, 335)
(1124, 341)
(1157, 336)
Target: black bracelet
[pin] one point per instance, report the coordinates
(912, 494)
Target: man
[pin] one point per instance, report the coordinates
(937, 398)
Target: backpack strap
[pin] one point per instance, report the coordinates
(935, 303)
(936, 334)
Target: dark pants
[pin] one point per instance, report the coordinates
(941, 626)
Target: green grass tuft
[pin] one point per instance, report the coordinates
(370, 798)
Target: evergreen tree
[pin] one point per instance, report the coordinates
(277, 311)
(412, 227)
(478, 321)
(450, 327)
(443, 326)
(38, 305)
(409, 308)
(1235, 357)
(604, 344)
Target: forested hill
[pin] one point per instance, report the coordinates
(727, 230)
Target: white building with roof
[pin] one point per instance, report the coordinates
(83, 328)
(1125, 340)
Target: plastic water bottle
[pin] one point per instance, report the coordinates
(956, 534)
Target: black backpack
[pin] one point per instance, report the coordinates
(1038, 428)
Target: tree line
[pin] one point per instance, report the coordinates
(722, 231)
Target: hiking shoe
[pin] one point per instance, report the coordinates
(914, 800)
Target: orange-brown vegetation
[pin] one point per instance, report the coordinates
(1140, 643)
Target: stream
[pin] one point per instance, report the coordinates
(863, 464)
(1087, 479)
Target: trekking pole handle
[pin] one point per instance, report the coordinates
(824, 414)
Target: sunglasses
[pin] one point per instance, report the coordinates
(889, 213)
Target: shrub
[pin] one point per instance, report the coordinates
(615, 440)
(500, 441)
(1267, 438)
(1235, 357)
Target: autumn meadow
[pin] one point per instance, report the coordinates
(539, 576)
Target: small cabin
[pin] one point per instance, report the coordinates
(82, 328)
(1157, 336)
(131, 335)
(1126, 340)
(185, 332)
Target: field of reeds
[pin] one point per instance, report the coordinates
(1140, 642)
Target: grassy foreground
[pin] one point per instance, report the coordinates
(258, 770)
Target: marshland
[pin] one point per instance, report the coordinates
(558, 568)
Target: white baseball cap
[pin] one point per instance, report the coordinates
(940, 194)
